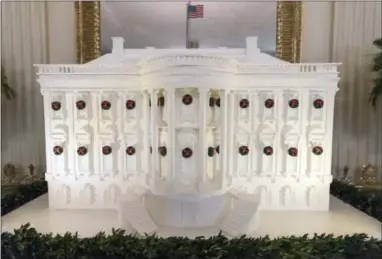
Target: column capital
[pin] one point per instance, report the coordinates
(169, 90)
(204, 90)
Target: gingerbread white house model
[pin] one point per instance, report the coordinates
(189, 137)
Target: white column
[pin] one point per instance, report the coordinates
(120, 122)
(279, 150)
(154, 134)
(97, 160)
(171, 133)
(146, 126)
(231, 135)
(328, 140)
(71, 144)
(303, 148)
(48, 147)
(48, 137)
(203, 106)
(224, 136)
(251, 133)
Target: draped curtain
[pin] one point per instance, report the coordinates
(24, 43)
(357, 127)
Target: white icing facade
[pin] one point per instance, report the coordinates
(189, 125)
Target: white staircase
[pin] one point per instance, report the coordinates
(243, 216)
(133, 213)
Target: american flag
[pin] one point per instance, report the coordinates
(195, 11)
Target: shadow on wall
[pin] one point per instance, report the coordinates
(272, 53)
(105, 49)
(22, 128)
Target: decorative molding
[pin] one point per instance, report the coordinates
(167, 62)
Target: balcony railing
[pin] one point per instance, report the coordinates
(172, 61)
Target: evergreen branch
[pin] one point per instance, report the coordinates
(376, 91)
(5, 88)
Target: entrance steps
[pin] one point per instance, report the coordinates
(239, 218)
(243, 216)
(133, 214)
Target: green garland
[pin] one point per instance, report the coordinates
(26, 242)
(23, 194)
(368, 201)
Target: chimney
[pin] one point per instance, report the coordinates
(117, 45)
(251, 46)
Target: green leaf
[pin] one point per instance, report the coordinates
(378, 43)
(5, 88)
(376, 91)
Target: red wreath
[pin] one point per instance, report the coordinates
(130, 150)
(105, 105)
(58, 150)
(293, 103)
(106, 150)
(268, 150)
(162, 151)
(212, 102)
(161, 101)
(269, 103)
(217, 102)
(82, 151)
(243, 150)
(293, 151)
(80, 105)
(130, 104)
(187, 152)
(56, 106)
(211, 152)
(187, 99)
(317, 150)
(318, 103)
(244, 103)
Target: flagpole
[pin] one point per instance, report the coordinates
(187, 23)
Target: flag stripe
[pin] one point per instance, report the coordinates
(195, 11)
